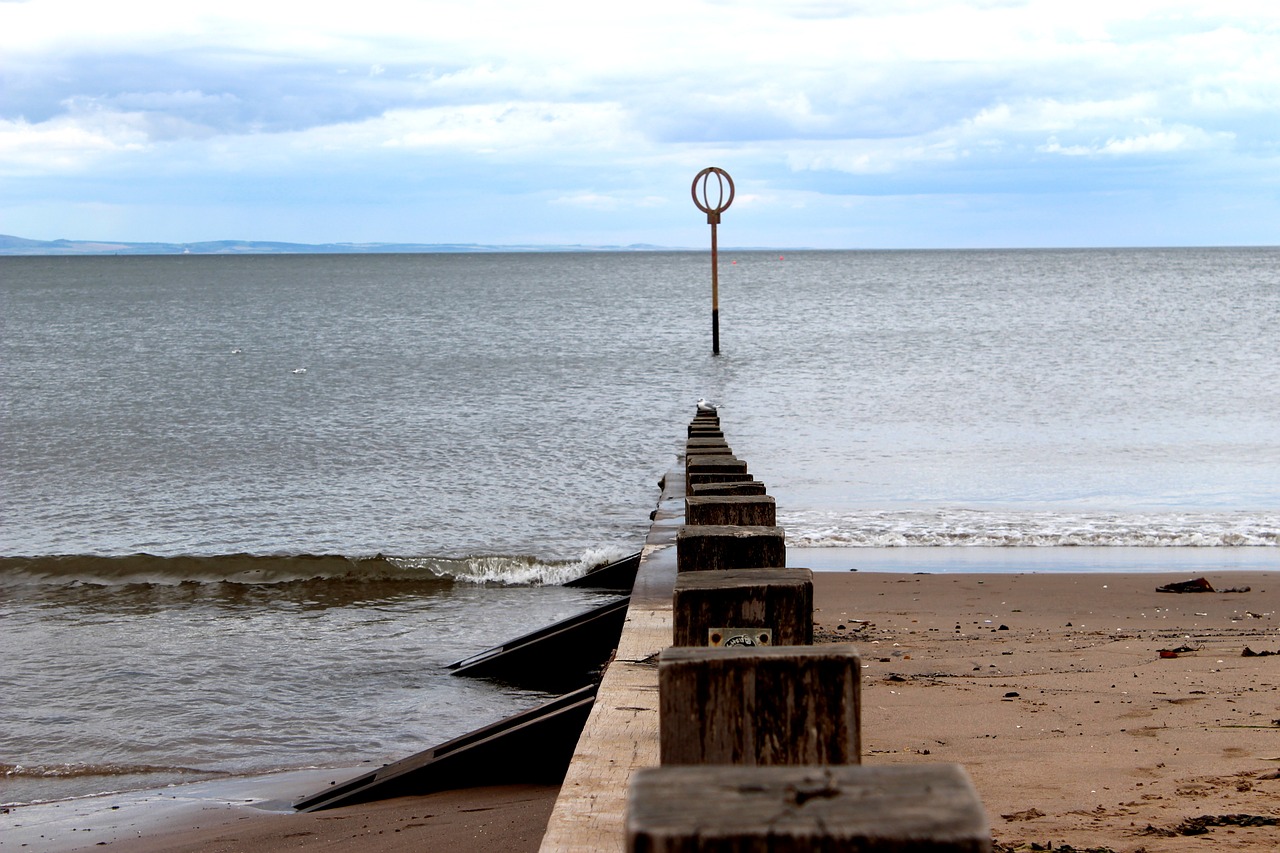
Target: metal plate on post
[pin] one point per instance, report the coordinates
(722, 638)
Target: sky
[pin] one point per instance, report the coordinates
(860, 124)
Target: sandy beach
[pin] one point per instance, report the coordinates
(1051, 689)
(1052, 692)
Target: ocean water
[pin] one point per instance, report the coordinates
(250, 506)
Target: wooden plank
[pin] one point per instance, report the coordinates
(931, 808)
(619, 576)
(532, 746)
(560, 657)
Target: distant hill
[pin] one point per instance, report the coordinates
(20, 246)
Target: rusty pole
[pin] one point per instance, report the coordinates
(704, 203)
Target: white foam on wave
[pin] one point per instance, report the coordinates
(1004, 529)
(515, 570)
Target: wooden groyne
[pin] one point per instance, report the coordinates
(718, 726)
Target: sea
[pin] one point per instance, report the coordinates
(252, 506)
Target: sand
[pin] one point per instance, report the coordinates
(508, 818)
(1049, 688)
(1051, 691)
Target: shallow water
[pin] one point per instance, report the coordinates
(472, 429)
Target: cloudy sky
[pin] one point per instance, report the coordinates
(867, 123)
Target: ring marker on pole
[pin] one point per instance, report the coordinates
(711, 199)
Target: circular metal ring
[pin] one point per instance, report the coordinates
(704, 204)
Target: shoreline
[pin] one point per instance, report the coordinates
(1073, 727)
(1058, 559)
(255, 814)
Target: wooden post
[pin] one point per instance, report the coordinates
(692, 480)
(929, 808)
(748, 487)
(707, 447)
(752, 510)
(767, 705)
(711, 547)
(694, 465)
(779, 600)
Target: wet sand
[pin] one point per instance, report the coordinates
(232, 816)
(1049, 688)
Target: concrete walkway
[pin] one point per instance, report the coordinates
(621, 734)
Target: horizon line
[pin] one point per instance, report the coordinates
(14, 246)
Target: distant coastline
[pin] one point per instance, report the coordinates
(21, 246)
(10, 245)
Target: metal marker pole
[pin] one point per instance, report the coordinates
(715, 294)
(713, 211)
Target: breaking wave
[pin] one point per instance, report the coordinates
(976, 528)
(78, 771)
(251, 569)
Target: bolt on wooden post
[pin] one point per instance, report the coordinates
(713, 203)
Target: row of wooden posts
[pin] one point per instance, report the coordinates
(759, 729)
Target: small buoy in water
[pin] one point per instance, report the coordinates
(781, 258)
(735, 263)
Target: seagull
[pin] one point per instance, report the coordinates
(299, 370)
(237, 351)
(705, 407)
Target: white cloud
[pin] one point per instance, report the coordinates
(69, 143)
(1175, 139)
(911, 96)
(528, 128)
(591, 201)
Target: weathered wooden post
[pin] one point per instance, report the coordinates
(714, 464)
(765, 705)
(711, 547)
(749, 510)
(931, 808)
(743, 606)
(746, 487)
(694, 480)
(707, 447)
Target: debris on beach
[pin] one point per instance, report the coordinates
(1026, 814)
(1197, 585)
(1250, 653)
(1173, 653)
(1200, 825)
